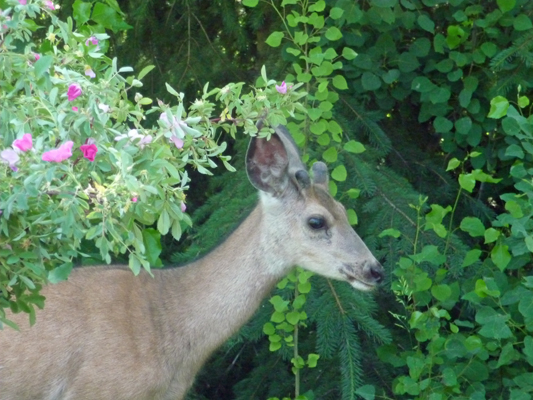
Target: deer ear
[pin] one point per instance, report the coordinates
(267, 164)
(320, 174)
(274, 164)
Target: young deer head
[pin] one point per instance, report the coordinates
(106, 334)
(300, 212)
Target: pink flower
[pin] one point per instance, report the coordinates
(282, 89)
(75, 109)
(50, 5)
(177, 141)
(61, 154)
(91, 40)
(89, 72)
(10, 157)
(24, 144)
(89, 151)
(134, 199)
(37, 56)
(183, 207)
(23, 2)
(74, 91)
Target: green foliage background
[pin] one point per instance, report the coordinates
(438, 95)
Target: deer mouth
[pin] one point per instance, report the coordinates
(348, 272)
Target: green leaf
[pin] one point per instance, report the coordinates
(489, 49)
(473, 226)
(514, 209)
(390, 232)
(529, 243)
(390, 76)
(269, 329)
(449, 378)
(354, 147)
(491, 235)
(519, 394)
(441, 292)
(407, 62)
(467, 182)
(498, 107)
(452, 164)
(352, 216)
(171, 90)
(367, 392)
(312, 360)
(482, 290)
(422, 84)
(319, 6)
(145, 71)
(526, 306)
(60, 273)
(339, 173)
(500, 255)
(340, 82)
(506, 5)
(250, 3)
(522, 22)
(442, 125)
(523, 101)
(440, 95)
(81, 11)
(152, 245)
(280, 305)
(370, 81)
(163, 223)
(274, 39)
(348, 53)
(507, 355)
(471, 257)
(42, 65)
(353, 193)
(528, 349)
(108, 18)
(330, 155)
(455, 36)
(336, 13)
(293, 317)
(463, 125)
(333, 33)
(304, 287)
(515, 151)
(431, 254)
(314, 113)
(494, 323)
(135, 264)
(426, 23)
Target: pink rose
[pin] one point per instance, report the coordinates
(24, 144)
(282, 88)
(60, 154)
(74, 91)
(89, 151)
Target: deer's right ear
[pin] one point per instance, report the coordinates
(267, 163)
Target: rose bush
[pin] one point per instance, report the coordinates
(80, 163)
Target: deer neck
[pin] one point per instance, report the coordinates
(223, 289)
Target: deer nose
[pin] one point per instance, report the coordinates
(375, 272)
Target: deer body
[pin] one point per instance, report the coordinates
(106, 334)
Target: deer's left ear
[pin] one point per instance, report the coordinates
(274, 164)
(267, 164)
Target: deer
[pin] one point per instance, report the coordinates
(107, 334)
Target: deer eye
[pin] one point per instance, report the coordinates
(316, 223)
